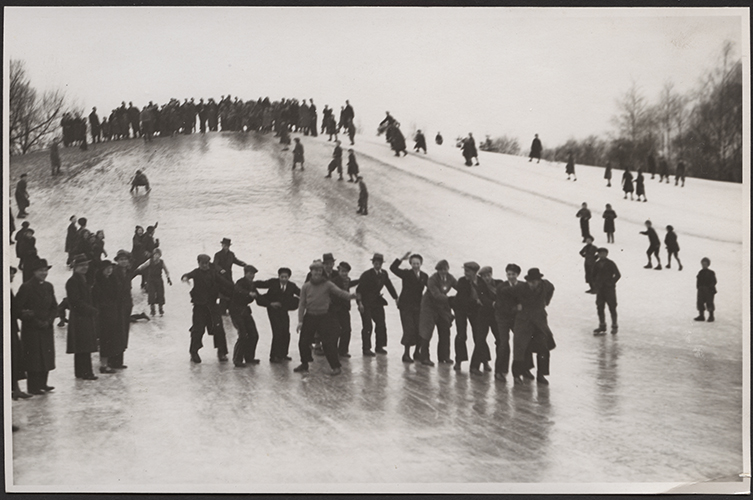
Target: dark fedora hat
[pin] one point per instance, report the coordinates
(79, 259)
(378, 257)
(328, 257)
(533, 274)
(225, 241)
(39, 264)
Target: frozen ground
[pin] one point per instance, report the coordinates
(659, 402)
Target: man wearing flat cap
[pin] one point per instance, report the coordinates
(223, 261)
(371, 305)
(243, 295)
(37, 307)
(207, 284)
(341, 308)
(604, 277)
(282, 297)
(505, 310)
(82, 331)
(466, 306)
(486, 289)
(531, 330)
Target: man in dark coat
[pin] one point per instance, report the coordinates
(18, 365)
(82, 332)
(397, 140)
(22, 197)
(340, 308)
(420, 142)
(347, 114)
(679, 173)
(535, 149)
(532, 333)
(505, 310)
(589, 254)
(207, 285)
(106, 297)
(201, 108)
(282, 297)
(654, 245)
(243, 295)
(134, 115)
(465, 304)
(409, 303)
(469, 150)
(223, 261)
(37, 307)
(584, 214)
(94, 124)
(297, 153)
(371, 305)
(337, 162)
(604, 277)
(71, 236)
(485, 321)
(663, 169)
(124, 274)
(705, 284)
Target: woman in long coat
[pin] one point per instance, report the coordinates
(436, 311)
(38, 309)
(469, 150)
(109, 324)
(397, 140)
(640, 188)
(82, 330)
(609, 217)
(608, 174)
(627, 183)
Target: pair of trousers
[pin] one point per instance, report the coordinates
(343, 320)
(207, 317)
(279, 320)
(409, 318)
(248, 336)
(705, 299)
(36, 381)
(606, 296)
(502, 344)
(481, 353)
(585, 231)
(542, 363)
(462, 318)
(82, 364)
(327, 328)
(443, 344)
(373, 313)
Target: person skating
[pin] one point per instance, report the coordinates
(315, 317)
(18, 366)
(340, 308)
(570, 167)
(55, 157)
(505, 310)
(243, 295)
(436, 312)
(705, 283)
(609, 217)
(397, 140)
(363, 197)
(139, 179)
(409, 303)
(589, 255)
(531, 330)
(465, 305)
(155, 287)
(420, 142)
(654, 245)
(536, 149)
(22, 196)
(109, 324)
(469, 150)
(207, 284)
(679, 173)
(673, 248)
(337, 162)
(584, 214)
(608, 174)
(371, 305)
(352, 166)
(640, 188)
(37, 307)
(82, 331)
(224, 260)
(282, 296)
(297, 153)
(604, 277)
(627, 183)
(486, 289)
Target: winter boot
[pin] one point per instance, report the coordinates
(614, 329)
(711, 318)
(601, 330)
(700, 317)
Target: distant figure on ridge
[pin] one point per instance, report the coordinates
(570, 167)
(438, 139)
(535, 149)
(420, 142)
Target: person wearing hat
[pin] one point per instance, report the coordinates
(26, 249)
(436, 311)
(352, 166)
(505, 310)
(207, 285)
(341, 308)
(150, 244)
(70, 237)
(155, 287)
(371, 305)
(109, 324)
(37, 306)
(531, 330)
(22, 196)
(314, 316)
(18, 367)
(328, 261)
(140, 180)
(243, 295)
(584, 214)
(124, 275)
(363, 197)
(486, 288)
(297, 153)
(82, 331)
(409, 303)
(223, 261)
(588, 253)
(138, 251)
(337, 162)
(604, 277)
(466, 306)
(282, 297)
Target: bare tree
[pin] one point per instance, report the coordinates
(32, 118)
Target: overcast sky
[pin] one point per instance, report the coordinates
(556, 72)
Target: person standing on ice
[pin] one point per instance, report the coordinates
(363, 197)
(82, 330)
(536, 149)
(105, 294)
(532, 333)
(570, 167)
(436, 312)
(337, 162)
(505, 310)
(207, 284)
(243, 295)
(155, 287)
(469, 150)
(465, 305)
(654, 245)
(705, 283)
(673, 248)
(627, 183)
(223, 261)
(371, 305)
(397, 140)
(486, 289)
(340, 308)
(640, 188)
(282, 296)
(663, 169)
(588, 253)
(438, 139)
(609, 217)
(651, 164)
(604, 277)
(297, 153)
(608, 174)
(22, 196)
(352, 166)
(420, 142)
(409, 303)
(679, 173)
(584, 214)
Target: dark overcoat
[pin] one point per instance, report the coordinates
(531, 327)
(109, 322)
(413, 287)
(38, 309)
(82, 329)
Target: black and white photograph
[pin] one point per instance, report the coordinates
(376, 249)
